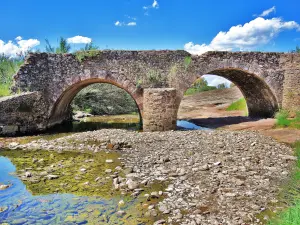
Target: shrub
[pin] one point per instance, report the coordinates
(104, 99)
(283, 120)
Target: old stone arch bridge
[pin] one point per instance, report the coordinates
(47, 83)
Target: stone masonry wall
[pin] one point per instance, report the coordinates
(22, 113)
(160, 109)
(291, 88)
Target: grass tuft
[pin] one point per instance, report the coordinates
(240, 105)
(283, 120)
(4, 90)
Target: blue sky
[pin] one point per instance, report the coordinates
(194, 25)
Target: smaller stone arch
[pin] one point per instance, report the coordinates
(61, 109)
(261, 101)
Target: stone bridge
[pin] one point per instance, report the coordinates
(156, 80)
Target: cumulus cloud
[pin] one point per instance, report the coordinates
(120, 24)
(12, 49)
(268, 11)
(257, 32)
(79, 40)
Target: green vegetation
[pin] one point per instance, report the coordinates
(238, 105)
(8, 67)
(82, 55)
(104, 99)
(283, 120)
(187, 62)
(290, 196)
(297, 50)
(199, 86)
(63, 46)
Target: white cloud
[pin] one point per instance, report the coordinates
(268, 11)
(213, 80)
(12, 49)
(120, 24)
(155, 4)
(79, 40)
(257, 32)
(131, 24)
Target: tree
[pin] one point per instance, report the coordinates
(221, 86)
(63, 47)
(200, 83)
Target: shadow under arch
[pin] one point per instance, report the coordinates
(61, 109)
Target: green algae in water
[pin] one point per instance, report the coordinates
(73, 169)
(67, 166)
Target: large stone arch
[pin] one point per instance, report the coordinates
(61, 108)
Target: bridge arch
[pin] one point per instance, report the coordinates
(61, 109)
(261, 101)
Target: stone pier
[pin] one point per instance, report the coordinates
(160, 109)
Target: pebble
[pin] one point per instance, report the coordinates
(3, 187)
(109, 161)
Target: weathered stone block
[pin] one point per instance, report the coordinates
(159, 116)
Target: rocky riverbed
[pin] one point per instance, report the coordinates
(210, 177)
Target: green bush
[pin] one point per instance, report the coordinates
(104, 99)
(283, 120)
(8, 67)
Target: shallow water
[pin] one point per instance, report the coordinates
(186, 125)
(21, 204)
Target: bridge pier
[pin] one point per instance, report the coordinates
(160, 109)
